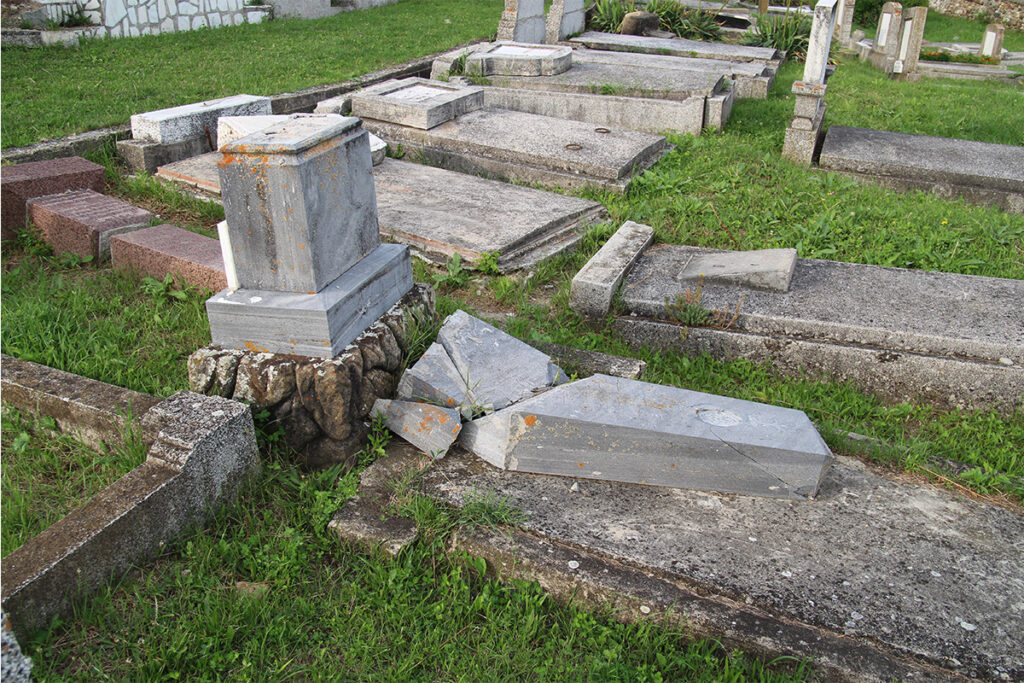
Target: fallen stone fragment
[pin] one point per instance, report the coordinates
(498, 369)
(616, 429)
(594, 287)
(770, 269)
(434, 379)
(430, 428)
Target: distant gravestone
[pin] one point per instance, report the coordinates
(844, 25)
(522, 21)
(992, 42)
(885, 50)
(565, 18)
(911, 36)
(301, 216)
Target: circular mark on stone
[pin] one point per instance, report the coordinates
(602, 130)
(573, 564)
(574, 147)
(718, 417)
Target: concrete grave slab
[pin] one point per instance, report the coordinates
(199, 119)
(83, 221)
(567, 154)
(878, 578)
(519, 59)
(301, 223)
(750, 79)
(597, 283)
(598, 78)
(441, 213)
(679, 47)
(907, 335)
(321, 324)
(981, 172)
(969, 72)
(617, 429)
(497, 368)
(608, 111)
(21, 182)
(770, 269)
(432, 429)
(416, 102)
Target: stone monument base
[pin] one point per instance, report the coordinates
(319, 324)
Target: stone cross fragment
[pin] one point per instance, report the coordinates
(565, 18)
(992, 42)
(301, 218)
(522, 21)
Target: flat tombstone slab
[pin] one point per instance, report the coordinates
(300, 203)
(416, 102)
(194, 120)
(770, 269)
(680, 47)
(169, 250)
(520, 59)
(83, 221)
(22, 182)
(623, 430)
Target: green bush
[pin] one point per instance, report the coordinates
(866, 12)
(685, 22)
(608, 15)
(790, 32)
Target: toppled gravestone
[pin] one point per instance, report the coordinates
(432, 429)
(602, 427)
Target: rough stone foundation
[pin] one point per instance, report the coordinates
(1009, 13)
(321, 404)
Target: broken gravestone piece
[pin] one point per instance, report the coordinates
(430, 428)
(435, 379)
(498, 369)
(617, 429)
(770, 269)
(416, 102)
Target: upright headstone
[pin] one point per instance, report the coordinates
(804, 134)
(844, 25)
(522, 21)
(992, 42)
(301, 214)
(565, 18)
(911, 37)
(885, 50)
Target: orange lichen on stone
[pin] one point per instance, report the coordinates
(530, 420)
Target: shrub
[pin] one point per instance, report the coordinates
(608, 15)
(790, 32)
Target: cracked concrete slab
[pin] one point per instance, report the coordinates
(878, 578)
(616, 429)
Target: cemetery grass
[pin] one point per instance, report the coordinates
(47, 474)
(54, 91)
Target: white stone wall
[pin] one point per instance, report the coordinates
(129, 18)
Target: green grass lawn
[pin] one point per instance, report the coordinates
(333, 612)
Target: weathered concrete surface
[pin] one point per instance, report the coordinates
(770, 269)
(901, 310)
(751, 79)
(194, 120)
(519, 59)
(204, 450)
(967, 72)
(498, 369)
(320, 324)
(597, 283)
(613, 111)
(96, 413)
(615, 429)
(430, 428)
(979, 171)
(441, 213)
(625, 80)
(877, 578)
(679, 47)
(950, 340)
(558, 152)
(416, 102)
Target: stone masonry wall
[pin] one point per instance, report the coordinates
(129, 18)
(1009, 13)
(321, 404)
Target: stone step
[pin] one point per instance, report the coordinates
(83, 221)
(22, 182)
(980, 172)
(167, 249)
